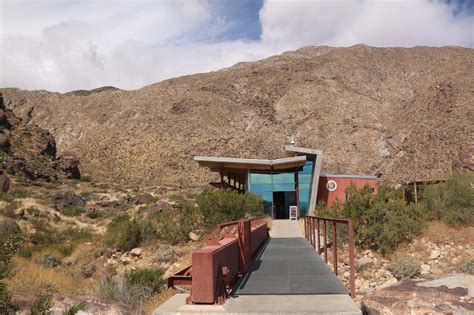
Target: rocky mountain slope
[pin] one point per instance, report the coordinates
(29, 151)
(371, 110)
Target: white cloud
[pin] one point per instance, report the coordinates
(66, 45)
(377, 23)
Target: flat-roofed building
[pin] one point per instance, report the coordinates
(294, 180)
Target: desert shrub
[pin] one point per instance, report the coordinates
(405, 268)
(453, 200)
(48, 260)
(9, 209)
(123, 233)
(150, 278)
(9, 246)
(219, 206)
(74, 309)
(20, 193)
(133, 288)
(382, 221)
(85, 178)
(165, 253)
(42, 305)
(174, 224)
(88, 270)
(65, 249)
(7, 306)
(72, 210)
(468, 267)
(5, 197)
(147, 230)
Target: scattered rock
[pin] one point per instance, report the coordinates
(136, 252)
(68, 198)
(434, 254)
(70, 261)
(88, 270)
(112, 261)
(362, 262)
(194, 236)
(125, 260)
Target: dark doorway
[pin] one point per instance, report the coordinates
(282, 200)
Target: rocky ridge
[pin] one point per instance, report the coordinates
(391, 111)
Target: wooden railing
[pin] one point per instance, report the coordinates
(313, 226)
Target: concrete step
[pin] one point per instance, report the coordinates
(336, 304)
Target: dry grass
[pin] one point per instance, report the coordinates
(158, 299)
(441, 233)
(31, 277)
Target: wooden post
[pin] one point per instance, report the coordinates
(325, 242)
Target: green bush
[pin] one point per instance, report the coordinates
(133, 288)
(72, 210)
(174, 224)
(9, 209)
(123, 233)
(405, 268)
(48, 260)
(20, 193)
(85, 178)
(468, 267)
(452, 201)
(9, 246)
(74, 309)
(150, 278)
(165, 253)
(219, 206)
(42, 305)
(382, 221)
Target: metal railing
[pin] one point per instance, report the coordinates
(312, 228)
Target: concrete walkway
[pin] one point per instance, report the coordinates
(287, 277)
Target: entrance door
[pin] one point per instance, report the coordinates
(282, 200)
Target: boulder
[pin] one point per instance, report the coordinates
(446, 295)
(362, 262)
(8, 226)
(67, 198)
(4, 143)
(194, 236)
(136, 252)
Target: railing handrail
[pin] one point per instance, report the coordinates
(312, 225)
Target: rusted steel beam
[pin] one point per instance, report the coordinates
(352, 254)
(182, 278)
(325, 241)
(217, 266)
(334, 247)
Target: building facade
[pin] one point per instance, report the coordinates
(294, 180)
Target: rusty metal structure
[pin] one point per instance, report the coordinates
(315, 227)
(218, 265)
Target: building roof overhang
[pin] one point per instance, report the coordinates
(218, 163)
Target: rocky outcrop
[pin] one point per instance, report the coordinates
(4, 182)
(66, 199)
(447, 295)
(29, 151)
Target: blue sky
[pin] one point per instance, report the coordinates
(63, 45)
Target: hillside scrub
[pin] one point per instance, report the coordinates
(452, 201)
(9, 246)
(212, 207)
(219, 206)
(381, 221)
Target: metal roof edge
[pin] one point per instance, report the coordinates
(348, 176)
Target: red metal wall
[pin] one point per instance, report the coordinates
(339, 195)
